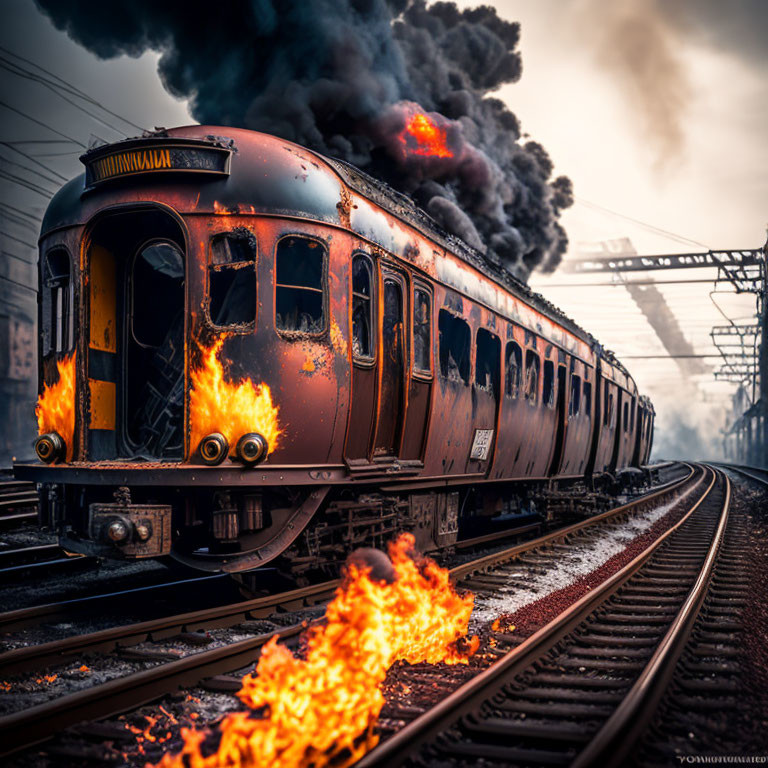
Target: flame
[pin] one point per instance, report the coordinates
(55, 408)
(233, 409)
(323, 708)
(422, 136)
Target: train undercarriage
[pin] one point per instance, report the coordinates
(303, 531)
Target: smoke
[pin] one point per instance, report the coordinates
(737, 26)
(636, 43)
(346, 77)
(682, 435)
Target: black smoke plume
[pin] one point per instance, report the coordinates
(345, 77)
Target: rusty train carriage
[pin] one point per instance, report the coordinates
(408, 374)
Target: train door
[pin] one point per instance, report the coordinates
(364, 359)
(485, 400)
(136, 318)
(154, 354)
(393, 357)
(557, 454)
(619, 432)
(421, 374)
(103, 363)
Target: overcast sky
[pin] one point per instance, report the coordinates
(656, 115)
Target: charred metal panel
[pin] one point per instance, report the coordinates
(308, 373)
(451, 432)
(415, 431)
(512, 439)
(485, 386)
(422, 514)
(447, 519)
(579, 434)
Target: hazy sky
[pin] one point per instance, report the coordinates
(656, 111)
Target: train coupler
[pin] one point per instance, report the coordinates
(135, 530)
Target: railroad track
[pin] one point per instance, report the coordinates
(112, 602)
(29, 726)
(18, 503)
(581, 689)
(753, 473)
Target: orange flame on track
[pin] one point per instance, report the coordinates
(55, 409)
(216, 405)
(323, 708)
(422, 136)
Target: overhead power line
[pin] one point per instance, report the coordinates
(36, 162)
(14, 69)
(15, 282)
(644, 224)
(46, 193)
(73, 88)
(18, 239)
(30, 170)
(16, 256)
(20, 212)
(41, 123)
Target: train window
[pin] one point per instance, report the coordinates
(455, 343)
(625, 417)
(487, 358)
(548, 396)
(422, 331)
(632, 417)
(574, 405)
(299, 274)
(607, 405)
(57, 302)
(532, 364)
(588, 399)
(514, 369)
(362, 307)
(159, 270)
(232, 279)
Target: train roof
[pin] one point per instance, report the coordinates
(271, 175)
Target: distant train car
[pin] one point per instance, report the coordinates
(250, 351)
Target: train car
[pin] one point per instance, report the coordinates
(250, 351)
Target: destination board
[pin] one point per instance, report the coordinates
(117, 162)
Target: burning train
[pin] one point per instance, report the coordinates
(249, 351)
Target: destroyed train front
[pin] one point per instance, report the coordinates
(233, 329)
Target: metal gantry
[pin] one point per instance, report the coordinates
(743, 348)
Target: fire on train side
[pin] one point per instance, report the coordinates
(357, 371)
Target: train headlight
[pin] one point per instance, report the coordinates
(251, 448)
(213, 448)
(50, 447)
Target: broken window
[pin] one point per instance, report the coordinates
(159, 270)
(548, 396)
(57, 302)
(455, 343)
(588, 399)
(575, 402)
(514, 369)
(487, 358)
(532, 364)
(362, 307)
(232, 279)
(625, 417)
(422, 331)
(299, 277)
